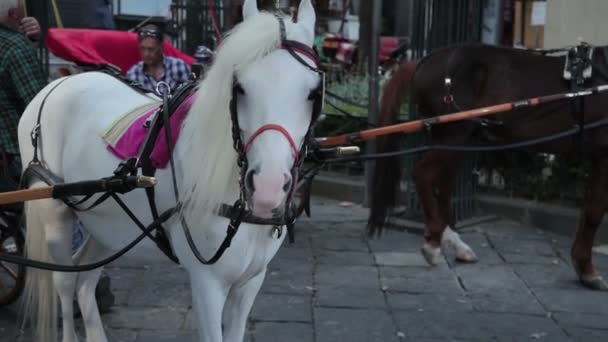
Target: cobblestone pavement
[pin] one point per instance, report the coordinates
(334, 284)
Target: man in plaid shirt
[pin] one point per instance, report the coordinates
(21, 76)
(155, 67)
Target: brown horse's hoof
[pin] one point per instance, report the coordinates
(467, 256)
(431, 254)
(594, 282)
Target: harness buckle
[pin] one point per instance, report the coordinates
(278, 231)
(449, 97)
(127, 166)
(159, 87)
(35, 134)
(232, 228)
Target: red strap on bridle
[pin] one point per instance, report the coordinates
(304, 50)
(280, 129)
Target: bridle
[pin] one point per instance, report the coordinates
(295, 49)
(238, 212)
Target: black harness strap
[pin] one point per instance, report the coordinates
(226, 210)
(83, 268)
(579, 61)
(158, 122)
(35, 135)
(237, 211)
(601, 69)
(36, 172)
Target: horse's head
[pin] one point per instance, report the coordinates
(274, 103)
(261, 96)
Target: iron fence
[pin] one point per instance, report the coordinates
(439, 23)
(436, 24)
(192, 23)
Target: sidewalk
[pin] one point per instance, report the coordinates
(334, 284)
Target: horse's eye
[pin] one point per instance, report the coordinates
(239, 89)
(314, 94)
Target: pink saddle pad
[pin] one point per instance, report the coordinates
(130, 142)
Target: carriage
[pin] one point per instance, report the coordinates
(73, 51)
(234, 146)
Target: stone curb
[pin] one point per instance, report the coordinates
(553, 218)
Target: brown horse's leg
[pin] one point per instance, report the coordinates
(446, 186)
(434, 184)
(596, 202)
(426, 175)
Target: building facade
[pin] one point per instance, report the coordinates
(568, 20)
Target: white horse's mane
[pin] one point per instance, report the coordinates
(210, 171)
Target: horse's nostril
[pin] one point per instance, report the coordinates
(287, 184)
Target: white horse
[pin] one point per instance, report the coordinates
(275, 89)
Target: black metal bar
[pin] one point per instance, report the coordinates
(373, 93)
(435, 24)
(464, 22)
(523, 22)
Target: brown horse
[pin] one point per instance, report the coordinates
(480, 76)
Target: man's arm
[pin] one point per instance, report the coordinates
(26, 73)
(31, 28)
(184, 72)
(134, 73)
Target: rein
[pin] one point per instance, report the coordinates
(417, 125)
(474, 148)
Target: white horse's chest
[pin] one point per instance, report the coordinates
(248, 255)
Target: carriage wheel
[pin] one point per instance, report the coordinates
(12, 276)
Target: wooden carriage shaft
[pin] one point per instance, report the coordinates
(76, 189)
(417, 125)
(25, 195)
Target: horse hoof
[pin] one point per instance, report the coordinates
(594, 282)
(431, 254)
(467, 256)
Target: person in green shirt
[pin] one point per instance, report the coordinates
(21, 75)
(320, 31)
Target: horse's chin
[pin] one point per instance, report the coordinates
(265, 211)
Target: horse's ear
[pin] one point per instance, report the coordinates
(250, 8)
(307, 17)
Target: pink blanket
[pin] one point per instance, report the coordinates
(131, 140)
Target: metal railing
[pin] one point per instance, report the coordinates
(436, 24)
(192, 23)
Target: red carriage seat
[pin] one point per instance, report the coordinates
(387, 45)
(87, 46)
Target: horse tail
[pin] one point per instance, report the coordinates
(39, 306)
(387, 171)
